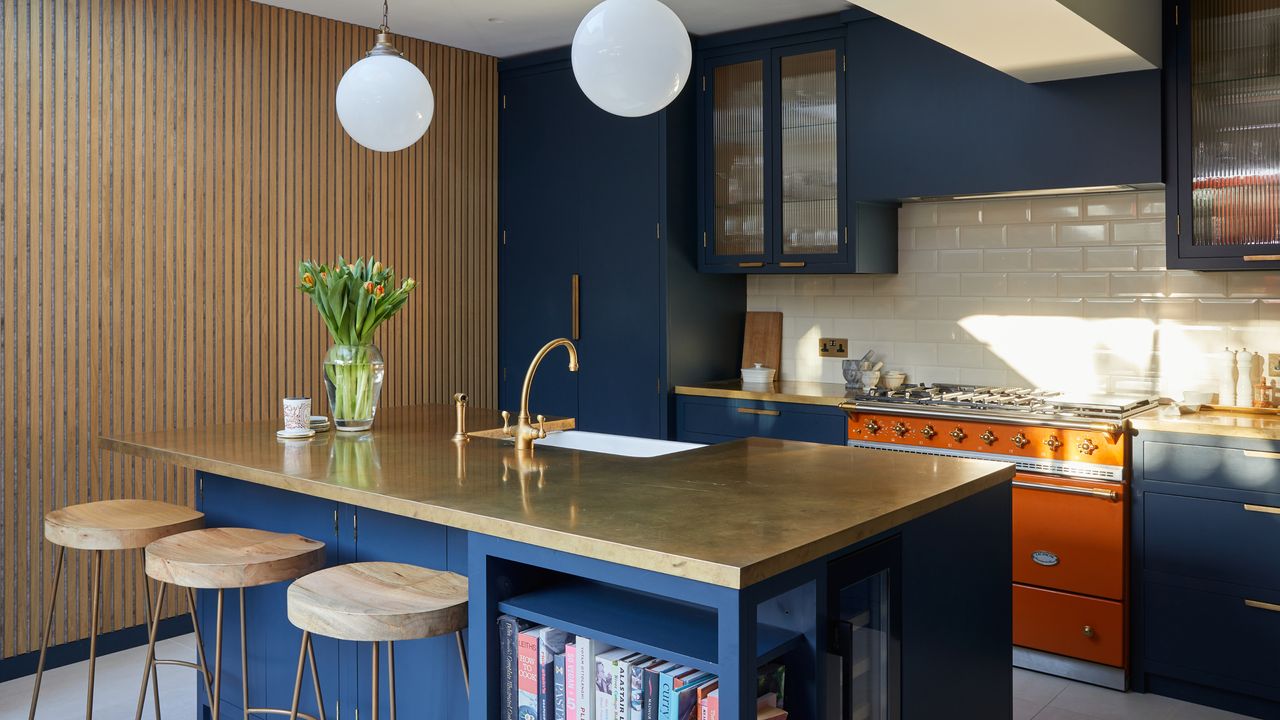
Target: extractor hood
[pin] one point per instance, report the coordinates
(1038, 40)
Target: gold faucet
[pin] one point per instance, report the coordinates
(524, 432)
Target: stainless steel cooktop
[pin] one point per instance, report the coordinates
(1025, 401)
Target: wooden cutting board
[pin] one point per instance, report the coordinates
(762, 340)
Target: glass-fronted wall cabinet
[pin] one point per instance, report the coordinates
(1224, 161)
(774, 164)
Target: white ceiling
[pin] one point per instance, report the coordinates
(505, 28)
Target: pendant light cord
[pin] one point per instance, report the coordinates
(385, 27)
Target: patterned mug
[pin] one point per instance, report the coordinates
(297, 413)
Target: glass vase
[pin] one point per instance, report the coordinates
(353, 379)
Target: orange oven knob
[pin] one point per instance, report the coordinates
(928, 431)
(900, 428)
(958, 435)
(1053, 443)
(1021, 440)
(872, 426)
(1086, 446)
(988, 437)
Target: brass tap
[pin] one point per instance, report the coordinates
(524, 431)
(460, 401)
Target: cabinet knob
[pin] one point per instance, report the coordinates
(928, 431)
(1088, 631)
(958, 435)
(988, 437)
(872, 426)
(1053, 443)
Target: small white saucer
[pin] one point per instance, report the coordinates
(320, 419)
(295, 434)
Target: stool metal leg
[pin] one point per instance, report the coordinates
(305, 653)
(217, 660)
(462, 658)
(149, 666)
(297, 678)
(155, 676)
(203, 664)
(391, 676)
(48, 629)
(244, 662)
(375, 678)
(93, 630)
(315, 676)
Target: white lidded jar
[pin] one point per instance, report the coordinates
(1244, 378)
(1227, 378)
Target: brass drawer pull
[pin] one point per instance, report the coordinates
(799, 264)
(1110, 495)
(577, 334)
(1261, 455)
(757, 411)
(750, 264)
(1271, 607)
(1261, 258)
(1261, 509)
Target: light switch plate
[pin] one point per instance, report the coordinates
(1273, 364)
(833, 347)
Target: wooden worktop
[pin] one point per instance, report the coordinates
(730, 514)
(1221, 423)
(790, 391)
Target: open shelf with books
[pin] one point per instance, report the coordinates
(663, 627)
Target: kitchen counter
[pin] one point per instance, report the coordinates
(1220, 423)
(790, 391)
(776, 504)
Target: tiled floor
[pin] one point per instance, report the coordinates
(1042, 697)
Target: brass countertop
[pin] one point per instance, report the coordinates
(1223, 423)
(731, 514)
(792, 391)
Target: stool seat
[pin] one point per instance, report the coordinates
(118, 524)
(379, 601)
(220, 558)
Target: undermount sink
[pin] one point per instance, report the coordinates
(613, 444)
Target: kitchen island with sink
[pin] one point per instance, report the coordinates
(722, 557)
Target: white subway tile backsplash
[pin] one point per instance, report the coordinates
(1138, 232)
(960, 213)
(985, 288)
(961, 261)
(1055, 209)
(1006, 260)
(1057, 259)
(1111, 258)
(1082, 234)
(982, 236)
(1106, 206)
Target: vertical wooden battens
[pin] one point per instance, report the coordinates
(164, 165)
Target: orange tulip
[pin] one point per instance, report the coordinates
(380, 291)
(307, 280)
(368, 287)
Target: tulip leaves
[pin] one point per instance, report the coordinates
(353, 298)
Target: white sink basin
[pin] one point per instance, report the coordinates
(613, 444)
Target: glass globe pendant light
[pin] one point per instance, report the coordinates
(384, 101)
(631, 57)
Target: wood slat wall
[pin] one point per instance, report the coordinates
(164, 166)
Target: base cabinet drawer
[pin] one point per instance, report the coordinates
(1212, 539)
(712, 420)
(1219, 635)
(1226, 467)
(1066, 624)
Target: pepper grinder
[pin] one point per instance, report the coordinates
(1226, 378)
(1244, 378)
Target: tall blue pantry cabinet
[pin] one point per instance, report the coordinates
(597, 217)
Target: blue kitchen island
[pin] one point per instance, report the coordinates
(879, 580)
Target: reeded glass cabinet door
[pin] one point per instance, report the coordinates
(809, 152)
(1234, 128)
(738, 159)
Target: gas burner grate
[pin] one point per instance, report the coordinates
(1031, 401)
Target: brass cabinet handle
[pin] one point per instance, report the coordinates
(750, 264)
(1261, 258)
(1271, 607)
(1110, 495)
(1261, 509)
(576, 326)
(792, 264)
(1261, 455)
(758, 411)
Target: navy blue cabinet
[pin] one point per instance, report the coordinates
(597, 244)
(1206, 610)
(713, 420)
(1221, 113)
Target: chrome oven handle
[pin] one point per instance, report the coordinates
(1109, 495)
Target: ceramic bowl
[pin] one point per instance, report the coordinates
(869, 378)
(894, 379)
(758, 375)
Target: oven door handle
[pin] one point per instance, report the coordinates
(1110, 495)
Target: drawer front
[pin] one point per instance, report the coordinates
(1205, 632)
(699, 417)
(1066, 624)
(1212, 539)
(1069, 535)
(1227, 467)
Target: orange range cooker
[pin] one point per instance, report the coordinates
(1070, 505)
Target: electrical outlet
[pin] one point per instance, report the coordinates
(833, 347)
(1273, 364)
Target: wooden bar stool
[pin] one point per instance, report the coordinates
(221, 559)
(98, 527)
(378, 602)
